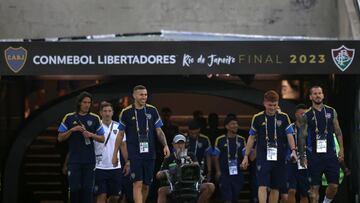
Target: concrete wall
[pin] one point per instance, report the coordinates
(349, 21)
(57, 18)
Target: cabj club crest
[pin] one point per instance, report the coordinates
(15, 58)
(343, 57)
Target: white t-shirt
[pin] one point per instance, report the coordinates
(104, 153)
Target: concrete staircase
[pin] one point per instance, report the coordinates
(42, 169)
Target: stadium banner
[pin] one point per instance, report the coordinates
(179, 57)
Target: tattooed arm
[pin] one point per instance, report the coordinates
(302, 138)
(339, 136)
(162, 140)
(161, 136)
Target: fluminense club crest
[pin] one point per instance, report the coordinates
(15, 58)
(343, 57)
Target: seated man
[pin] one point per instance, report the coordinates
(206, 189)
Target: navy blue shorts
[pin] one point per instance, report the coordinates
(323, 163)
(298, 179)
(230, 186)
(284, 189)
(108, 181)
(142, 170)
(127, 188)
(271, 173)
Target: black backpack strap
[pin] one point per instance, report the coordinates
(107, 139)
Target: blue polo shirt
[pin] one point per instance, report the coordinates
(127, 123)
(236, 145)
(201, 144)
(258, 128)
(79, 152)
(321, 121)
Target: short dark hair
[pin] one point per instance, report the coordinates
(139, 87)
(80, 97)
(194, 125)
(104, 104)
(213, 117)
(271, 96)
(313, 87)
(301, 106)
(230, 118)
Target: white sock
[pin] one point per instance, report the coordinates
(327, 200)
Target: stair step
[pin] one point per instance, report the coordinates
(45, 186)
(245, 192)
(44, 183)
(42, 146)
(46, 139)
(42, 167)
(44, 177)
(42, 164)
(50, 197)
(44, 149)
(44, 159)
(43, 156)
(48, 192)
(42, 174)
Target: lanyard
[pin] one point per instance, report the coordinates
(109, 134)
(295, 134)
(196, 144)
(316, 124)
(267, 132)
(228, 147)
(137, 122)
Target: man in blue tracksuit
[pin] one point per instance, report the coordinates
(140, 122)
(272, 130)
(228, 155)
(80, 128)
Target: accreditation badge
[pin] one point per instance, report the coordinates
(98, 159)
(144, 147)
(144, 144)
(321, 146)
(87, 141)
(233, 169)
(271, 152)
